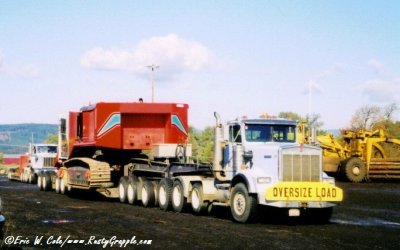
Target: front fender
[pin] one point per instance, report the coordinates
(247, 180)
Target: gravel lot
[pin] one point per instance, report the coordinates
(369, 218)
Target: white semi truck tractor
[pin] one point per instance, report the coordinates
(257, 162)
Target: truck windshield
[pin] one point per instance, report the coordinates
(269, 133)
(47, 149)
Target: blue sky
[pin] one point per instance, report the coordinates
(234, 57)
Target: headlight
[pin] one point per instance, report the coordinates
(263, 180)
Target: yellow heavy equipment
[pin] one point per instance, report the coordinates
(361, 156)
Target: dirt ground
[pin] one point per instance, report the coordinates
(369, 218)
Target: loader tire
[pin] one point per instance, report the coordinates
(355, 170)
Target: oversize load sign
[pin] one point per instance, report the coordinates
(304, 191)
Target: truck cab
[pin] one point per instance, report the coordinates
(41, 160)
(263, 157)
(258, 162)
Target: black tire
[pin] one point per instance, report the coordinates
(122, 189)
(33, 178)
(199, 206)
(131, 190)
(354, 170)
(57, 185)
(46, 182)
(164, 194)
(64, 188)
(39, 182)
(179, 202)
(243, 205)
(148, 195)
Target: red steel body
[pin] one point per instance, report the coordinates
(128, 126)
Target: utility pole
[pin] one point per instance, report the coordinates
(152, 67)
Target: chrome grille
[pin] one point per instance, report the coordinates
(301, 167)
(48, 161)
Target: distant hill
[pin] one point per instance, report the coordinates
(14, 138)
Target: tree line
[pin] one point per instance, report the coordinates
(368, 117)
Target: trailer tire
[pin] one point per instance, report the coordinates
(355, 170)
(122, 188)
(131, 190)
(164, 194)
(57, 188)
(197, 198)
(148, 196)
(179, 202)
(243, 205)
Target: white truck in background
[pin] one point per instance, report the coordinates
(39, 159)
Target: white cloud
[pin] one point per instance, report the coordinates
(24, 71)
(314, 84)
(312, 87)
(173, 54)
(382, 91)
(376, 65)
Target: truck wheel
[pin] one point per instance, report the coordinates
(57, 185)
(122, 187)
(243, 205)
(178, 199)
(198, 204)
(131, 190)
(355, 170)
(33, 178)
(39, 182)
(148, 196)
(63, 188)
(164, 194)
(46, 182)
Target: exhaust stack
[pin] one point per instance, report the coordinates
(218, 140)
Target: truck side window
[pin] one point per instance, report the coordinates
(234, 133)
